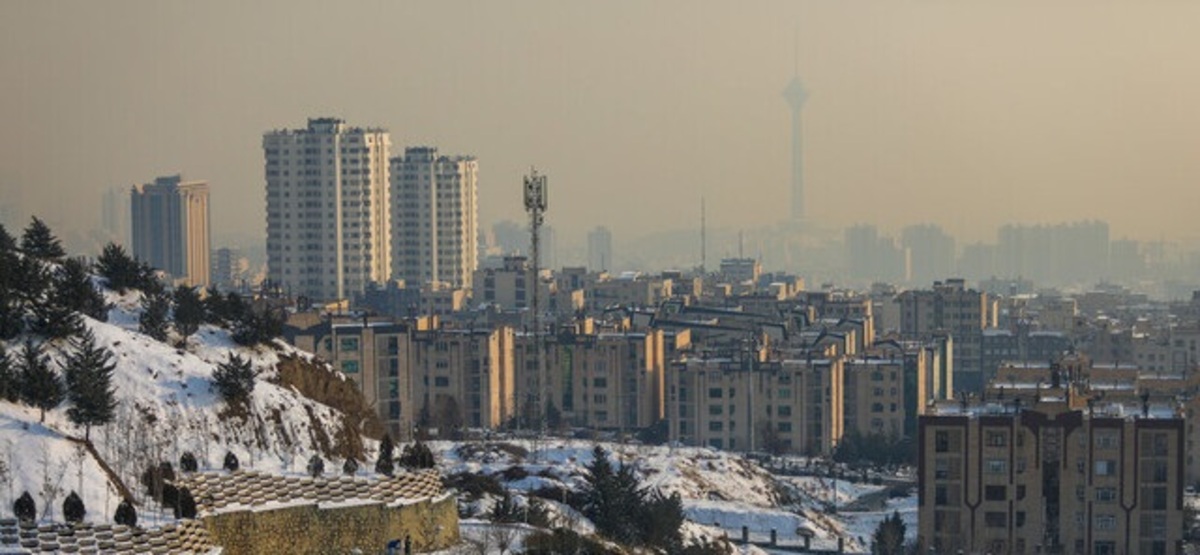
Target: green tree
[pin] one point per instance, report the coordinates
(9, 389)
(189, 311)
(888, 538)
(119, 268)
(386, 463)
(73, 286)
(39, 242)
(89, 371)
(53, 315)
(8, 243)
(417, 455)
(254, 327)
(505, 510)
(40, 384)
(153, 321)
(234, 380)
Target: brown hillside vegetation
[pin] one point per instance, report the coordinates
(319, 383)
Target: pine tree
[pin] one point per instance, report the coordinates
(234, 379)
(231, 462)
(350, 467)
(416, 456)
(39, 242)
(505, 510)
(9, 390)
(126, 515)
(73, 509)
(316, 466)
(11, 308)
(75, 290)
(189, 311)
(186, 506)
(40, 384)
(7, 242)
(89, 371)
(386, 465)
(254, 327)
(24, 508)
(888, 538)
(187, 462)
(31, 281)
(153, 321)
(52, 317)
(120, 269)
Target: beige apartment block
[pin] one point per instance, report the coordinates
(1053, 477)
(604, 381)
(746, 403)
(327, 209)
(875, 401)
(463, 377)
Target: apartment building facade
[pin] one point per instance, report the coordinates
(328, 213)
(1055, 477)
(170, 228)
(434, 218)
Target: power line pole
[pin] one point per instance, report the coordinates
(535, 204)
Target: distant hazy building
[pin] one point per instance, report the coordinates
(114, 214)
(930, 253)
(434, 217)
(795, 94)
(600, 250)
(327, 209)
(170, 226)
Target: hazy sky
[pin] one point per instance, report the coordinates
(966, 114)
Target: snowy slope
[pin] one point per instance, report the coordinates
(165, 408)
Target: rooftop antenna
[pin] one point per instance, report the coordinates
(703, 245)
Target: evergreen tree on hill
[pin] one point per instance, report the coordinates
(39, 242)
(52, 316)
(623, 512)
(153, 321)
(76, 292)
(189, 311)
(11, 310)
(31, 282)
(234, 380)
(9, 390)
(8, 243)
(386, 464)
(121, 270)
(89, 369)
(254, 327)
(40, 384)
(888, 538)
(417, 455)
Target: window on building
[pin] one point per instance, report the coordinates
(784, 411)
(350, 366)
(941, 441)
(1106, 495)
(1104, 548)
(997, 439)
(1106, 440)
(1106, 467)
(995, 493)
(714, 393)
(716, 426)
(940, 496)
(715, 410)
(995, 519)
(441, 381)
(348, 344)
(997, 466)
(784, 427)
(1106, 522)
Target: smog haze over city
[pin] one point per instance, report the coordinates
(966, 115)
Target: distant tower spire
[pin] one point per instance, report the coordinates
(795, 94)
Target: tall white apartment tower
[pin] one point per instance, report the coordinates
(327, 209)
(435, 218)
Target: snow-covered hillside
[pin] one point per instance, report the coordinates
(721, 491)
(166, 407)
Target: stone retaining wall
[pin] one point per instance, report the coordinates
(335, 527)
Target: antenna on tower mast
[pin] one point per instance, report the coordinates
(536, 195)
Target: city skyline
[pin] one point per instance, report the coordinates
(1082, 118)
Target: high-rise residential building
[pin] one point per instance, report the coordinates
(170, 228)
(434, 217)
(930, 252)
(327, 209)
(600, 250)
(1063, 474)
(951, 309)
